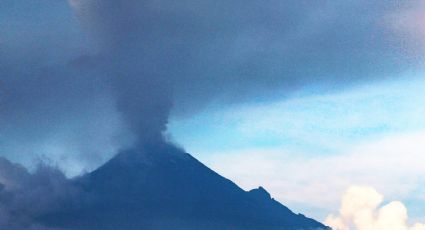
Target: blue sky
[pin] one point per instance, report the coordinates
(340, 126)
(304, 97)
(309, 124)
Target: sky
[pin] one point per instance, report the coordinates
(306, 98)
(309, 149)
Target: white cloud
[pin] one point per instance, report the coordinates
(314, 124)
(360, 211)
(393, 165)
(307, 150)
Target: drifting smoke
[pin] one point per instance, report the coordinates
(360, 210)
(109, 72)
(90, 87)
(25, 197)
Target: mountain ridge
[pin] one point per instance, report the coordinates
(163, 187)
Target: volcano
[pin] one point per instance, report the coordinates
(162, 187)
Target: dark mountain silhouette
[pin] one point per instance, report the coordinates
(162, 187)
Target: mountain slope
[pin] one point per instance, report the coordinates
(161, 187)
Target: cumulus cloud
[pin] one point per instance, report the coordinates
(360, 210)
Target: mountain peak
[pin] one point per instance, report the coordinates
(162, 187)
(260, 192)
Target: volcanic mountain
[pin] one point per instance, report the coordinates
(162, 187)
